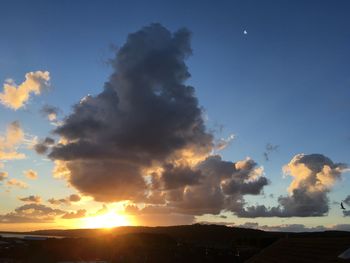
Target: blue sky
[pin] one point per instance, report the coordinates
(285, 82)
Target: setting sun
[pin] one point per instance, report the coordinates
(108, 220)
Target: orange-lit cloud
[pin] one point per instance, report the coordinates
(31, 213)
(313, 177)
(9, 142)
(31, 199)
(77, 214)
(60, 170)
(16, 183)
(65, 201)
(3, 176)
(15, 96)
(31, 174)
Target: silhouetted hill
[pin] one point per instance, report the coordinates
(196, 232)
(215, 234)
(187, 243)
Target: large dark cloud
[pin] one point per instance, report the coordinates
(145, 115)
(143, 137)
(314, 175)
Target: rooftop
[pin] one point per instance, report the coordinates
(304, 250)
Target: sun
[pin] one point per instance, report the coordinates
(108, 220)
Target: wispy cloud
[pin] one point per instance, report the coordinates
(16, 183)
(270, 148)
(77, 214)
(31, 199)
(73, 198)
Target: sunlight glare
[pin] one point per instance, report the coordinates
(108, 220)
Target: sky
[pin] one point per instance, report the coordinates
(174, 112)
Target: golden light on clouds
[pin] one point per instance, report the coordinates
(31, 174)
(10, 141)
(15, 97)
(16, 183)
(320, 179)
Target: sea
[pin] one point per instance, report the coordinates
(24, 236)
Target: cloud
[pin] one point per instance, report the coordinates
(175, 177)
(65, 201)
(15, 97)
(16, 183)
(50, 112)
(74, 198)
(31, 213)
(43, 146)
(143, 138)
(61, 201)
(145, 115)
(77, 214)
(31, 199)
(3, 176)
(31, 174)
(270, 148)
(223, 187)
(295, 227)
(222, 143)
(13, 137)
(347, 200)
(313, 176)
(219, 185)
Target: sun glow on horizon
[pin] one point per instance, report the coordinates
(108, 220)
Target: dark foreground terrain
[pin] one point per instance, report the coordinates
(195, 243)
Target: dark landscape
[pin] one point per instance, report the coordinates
(191, 243)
